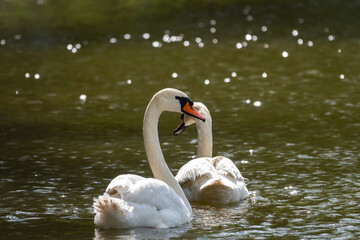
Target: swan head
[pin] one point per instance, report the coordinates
(173, 100)
(188, 120)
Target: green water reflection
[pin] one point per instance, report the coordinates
(280, 78)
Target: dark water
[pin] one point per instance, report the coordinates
(280, 78)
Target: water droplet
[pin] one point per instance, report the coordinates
(201, 45)
(212, 22)
(3, 42)
(214, 41)
(233, 74)
(198, 40)
(257, 103)
(310, 43)
(285, 54)
(127, 36)
(78, 46)
(239, 45)
(207, 82)
(37, 76)
(186, 43)
(300, 41)
(213, 30)
(27, 75)
(74, 50)
(264, 28)
(248, 37)
(174, 75)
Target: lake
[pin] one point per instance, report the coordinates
(280, 78)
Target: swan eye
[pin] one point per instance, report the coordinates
(183, 101)
(187, 108)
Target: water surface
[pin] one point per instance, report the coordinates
(281, 81)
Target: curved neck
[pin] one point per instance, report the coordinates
(205, 141)
(153, 151)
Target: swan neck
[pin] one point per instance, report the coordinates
(205, 140)
(154, 153)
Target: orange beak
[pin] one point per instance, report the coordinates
(189, 110)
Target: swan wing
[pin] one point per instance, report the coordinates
(226, 167)
(147, 203)
(121, 184)
(194, 169)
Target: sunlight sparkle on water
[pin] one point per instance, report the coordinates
(227, 80)
(156, 44)
(146, 36)
(186, 43)
(127, 36)
(248, 37)
(37, 76)
(112, 40)
(27, 75)
(264, 75)
(264, 28)
(295, 33)
(207, 82)
(3, 42)
(284, 54)
(257, 103)
(83, 97)
(213, 30)
(128, 81)
(174, 75)
(212, 22)
(300, 41)
(233, 74)
(239, 45)
(342, 76)
(310, 43)
(214, 41)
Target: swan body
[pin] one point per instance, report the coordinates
(206, 178)
(133, 201)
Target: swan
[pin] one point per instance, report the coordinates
(206, 178)
(133, 201)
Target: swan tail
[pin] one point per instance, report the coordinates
(110, 212)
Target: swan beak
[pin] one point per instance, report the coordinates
(189, 110)
(181, 126)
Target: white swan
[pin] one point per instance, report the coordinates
(207, 178)
(133, 201)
